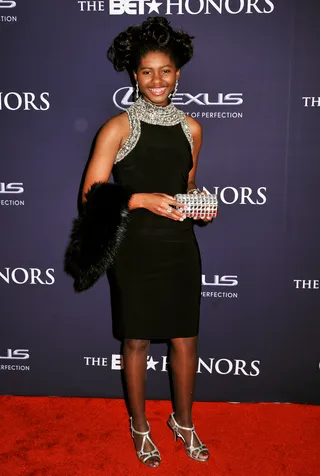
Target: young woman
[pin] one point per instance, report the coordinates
(152, 149)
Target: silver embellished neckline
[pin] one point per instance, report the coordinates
(158, 115)
(143, 111)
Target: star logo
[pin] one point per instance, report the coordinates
(151, 364)
(154, 6)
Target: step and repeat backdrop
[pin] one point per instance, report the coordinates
(254, 85)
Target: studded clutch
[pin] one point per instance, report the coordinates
(198, 205)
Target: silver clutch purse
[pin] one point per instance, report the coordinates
(198, 205)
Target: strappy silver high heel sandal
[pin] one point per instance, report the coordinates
(192, 451)
(142, 455)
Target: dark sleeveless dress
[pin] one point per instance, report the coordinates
(155, 282)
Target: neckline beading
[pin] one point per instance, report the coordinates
(158, 115)
(143, 111)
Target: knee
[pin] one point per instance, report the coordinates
(184, 344)
(136, 345)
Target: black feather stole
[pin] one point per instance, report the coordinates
(97, 233)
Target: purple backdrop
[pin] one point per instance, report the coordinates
(254, 86)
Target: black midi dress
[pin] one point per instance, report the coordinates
(155, 281)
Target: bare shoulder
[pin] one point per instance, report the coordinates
(116, 126)
(195, 127)
(119, 119)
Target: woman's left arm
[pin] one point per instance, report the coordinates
(196, 132)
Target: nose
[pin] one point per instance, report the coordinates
(157, 79)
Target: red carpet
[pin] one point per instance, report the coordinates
(49, 436)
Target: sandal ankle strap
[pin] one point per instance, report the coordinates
(142, 433)
(179, 426)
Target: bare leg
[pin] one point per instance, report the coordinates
(183, 361)
(135, 368)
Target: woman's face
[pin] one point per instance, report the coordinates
(156, 75)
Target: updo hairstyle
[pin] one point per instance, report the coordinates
(154, 34)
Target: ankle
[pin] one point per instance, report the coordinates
(139, 423)
(183, 420)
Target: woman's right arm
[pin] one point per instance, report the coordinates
(110, 138)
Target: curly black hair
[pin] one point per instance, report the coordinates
(154, 34)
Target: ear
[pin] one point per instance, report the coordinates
(135, 76)
(178, 74)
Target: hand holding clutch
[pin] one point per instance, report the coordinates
(199, 205)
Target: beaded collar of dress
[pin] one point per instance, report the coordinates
(145, 111)
(158, 115)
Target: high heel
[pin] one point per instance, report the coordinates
(192, 451)
(142, 455)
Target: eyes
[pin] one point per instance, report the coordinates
(164, 71)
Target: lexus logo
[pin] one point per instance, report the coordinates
(7, 4)
(15, 354)
(123, 98)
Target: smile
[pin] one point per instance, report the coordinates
(157, 91)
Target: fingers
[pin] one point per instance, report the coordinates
(172, 213)
(173, 202)
(177, 204)
(167, 196)
(207, 218)
(167, 209)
